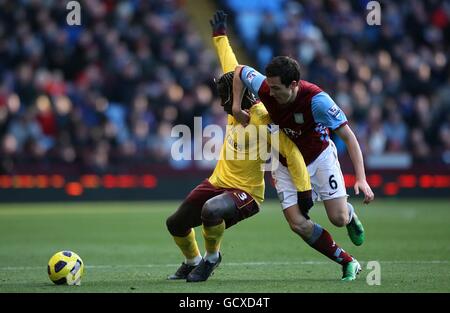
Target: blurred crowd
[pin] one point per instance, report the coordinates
(109, 91)
(392, 80)
(103, 93)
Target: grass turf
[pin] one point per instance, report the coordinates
(126, 248)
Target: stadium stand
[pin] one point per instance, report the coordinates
(105, 92)
(392, 81)
(102, 97)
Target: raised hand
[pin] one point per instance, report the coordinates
(219, 23)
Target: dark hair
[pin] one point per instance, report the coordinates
(284, 67)
(225, 89)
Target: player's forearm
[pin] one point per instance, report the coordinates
(238, 90)
(225, 53)
(356, 156)
(295, 163)
(299, 173)
(347, 135)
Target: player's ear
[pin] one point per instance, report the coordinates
(293, 84)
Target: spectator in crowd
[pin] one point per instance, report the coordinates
(109, 91)
(391, 80)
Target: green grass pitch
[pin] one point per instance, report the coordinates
(126, 248)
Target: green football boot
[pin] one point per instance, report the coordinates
(355, 231)
(350, 270)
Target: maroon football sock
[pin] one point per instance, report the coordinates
(322, 241)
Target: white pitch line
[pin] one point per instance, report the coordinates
(19, 268)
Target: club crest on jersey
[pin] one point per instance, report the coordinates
(250, 75)
(334, 110)
(298, 117)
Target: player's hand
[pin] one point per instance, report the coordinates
(219, 23)
(365, 188)
(242, 116)
(305, 202)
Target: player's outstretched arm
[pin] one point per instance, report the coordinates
(238, 91)
(280, 143)
(354, 150)
(295, 162)
(299, 172)
(221, 43)
(328, 113)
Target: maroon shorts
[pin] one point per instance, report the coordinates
(246, 205)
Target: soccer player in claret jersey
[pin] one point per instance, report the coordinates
(235, 189)
(306, 114)
(325, 173)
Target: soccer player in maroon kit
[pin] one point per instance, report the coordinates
(306, 114)
(235, 190)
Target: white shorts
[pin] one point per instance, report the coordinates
(327, 181)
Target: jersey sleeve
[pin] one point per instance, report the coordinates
(287, 148)
(225, 53)
(230, 119)
(295, 162)
(227, 59)
(259, 115)
(252, 79)
(327, 112)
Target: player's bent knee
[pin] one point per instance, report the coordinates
(302, 228)
(217, 209)
(211, 211)
(339, 220)
(305, 229)
(176, 227)
(297, 222)
(294, 227)
(171, 224)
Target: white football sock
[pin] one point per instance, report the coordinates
(194, 261)
(351, 212)
(212, 257)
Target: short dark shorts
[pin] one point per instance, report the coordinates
(246, 205)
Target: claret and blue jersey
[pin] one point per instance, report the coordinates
(307, 120)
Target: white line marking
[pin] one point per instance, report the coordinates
(20, 268)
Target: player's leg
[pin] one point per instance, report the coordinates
(181, 226)
(341, 213)
(312, 233)
(298, 223)
(331, 189)
(214, 213)
(355, 228)
(329, 186)
(316, 236)
(337, 211)
(184, 237)
(287, 194)
(219, 213)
